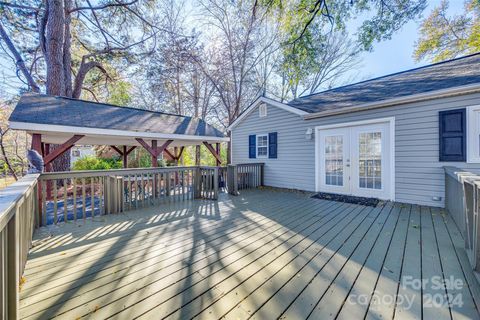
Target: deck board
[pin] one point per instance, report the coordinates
(264, 254)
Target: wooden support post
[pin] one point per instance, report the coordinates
(175, 155)
(154, 154)
(125, 157)
(37, 146)
(37, 143)
(48, 168)
(197, 155)
(217, 147)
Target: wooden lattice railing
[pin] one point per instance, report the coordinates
(67, 196)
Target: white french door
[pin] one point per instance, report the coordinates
(356, 160)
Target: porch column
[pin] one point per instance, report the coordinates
(154, 154)
(48, 168)
(125, 157)
(217, 147)
(197, 155)
(37, 143)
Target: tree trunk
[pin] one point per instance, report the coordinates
(57, 57)
(54, 48)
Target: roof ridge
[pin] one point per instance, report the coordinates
(387, 75)
(110, 105)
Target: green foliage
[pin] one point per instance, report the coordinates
(94, 163)
(443, 37)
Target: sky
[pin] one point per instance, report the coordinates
(397, 54)
(387, 57)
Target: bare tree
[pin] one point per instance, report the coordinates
(97, 32)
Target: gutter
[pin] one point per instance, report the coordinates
(450, 92)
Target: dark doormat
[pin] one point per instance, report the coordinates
(371, 202)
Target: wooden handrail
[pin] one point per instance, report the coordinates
(18, 203)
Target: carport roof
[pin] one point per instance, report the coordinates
(101, 123)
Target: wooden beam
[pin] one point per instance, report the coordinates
(169, 154)
(61, 149)
(212, 151)
(164, 146)
(146, 146)
(180, 153)
(130, 150)
(151, 150)
(118, 150)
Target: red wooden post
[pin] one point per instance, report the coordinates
(154, 154)
(125, 154)
(37, 142)
(219, 163)
(48, 168)
(37, 146)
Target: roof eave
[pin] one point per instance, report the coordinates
(42, 128)
(467, 89)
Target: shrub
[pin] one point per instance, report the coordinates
(94, 163)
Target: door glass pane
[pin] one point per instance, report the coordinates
(370, 160)
(334, 160)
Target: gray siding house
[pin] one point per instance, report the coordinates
(387, 138)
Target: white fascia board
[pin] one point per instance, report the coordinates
(270, 102)
(50, 128)
(472, 88)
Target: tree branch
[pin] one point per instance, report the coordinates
(107, 5)
(18, 60)
(85, 67)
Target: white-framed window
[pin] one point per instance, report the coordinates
(262, 110)
(262, 145)
(473, 134)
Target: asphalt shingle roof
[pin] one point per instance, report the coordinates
(443, 75)
(52, 110)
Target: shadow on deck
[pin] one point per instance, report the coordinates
(264, 254)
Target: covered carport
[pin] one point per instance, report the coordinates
(66, 122)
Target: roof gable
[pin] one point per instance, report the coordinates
(269, 102)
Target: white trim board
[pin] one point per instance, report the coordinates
(49, 128)
(391, 143)
(472, 132)
(269, 102)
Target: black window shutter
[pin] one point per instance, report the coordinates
(272, 145)
(453, 135)
(252, 150)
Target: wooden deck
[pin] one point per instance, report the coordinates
(265, 254)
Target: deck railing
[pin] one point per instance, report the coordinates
(68, 196)
(17, 223)
(244, 176)
(462, 200)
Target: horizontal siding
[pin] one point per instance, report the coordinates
(419, 174)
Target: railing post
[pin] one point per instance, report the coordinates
(232, 173)
(13, 269)
(262, 174)
(197, 178)
(215, 183)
